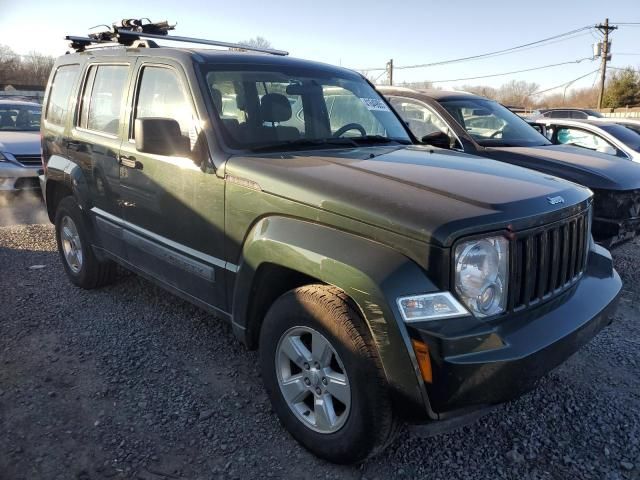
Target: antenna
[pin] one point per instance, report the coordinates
(130, 32)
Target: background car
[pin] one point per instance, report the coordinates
(631, 123)
(605, 137)
(575, 113)
(20, 156)
(451, 120)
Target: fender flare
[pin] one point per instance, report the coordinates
(64, 171)
(371, 274)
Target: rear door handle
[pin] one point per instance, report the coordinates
(130, 162)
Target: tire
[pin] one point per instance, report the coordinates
(86, 271)
(364, 424)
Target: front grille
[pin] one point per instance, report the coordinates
(547, 260)
(29, 160)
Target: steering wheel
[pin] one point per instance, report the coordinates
(495, 134)
(350, 126)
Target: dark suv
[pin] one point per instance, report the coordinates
(381, 281)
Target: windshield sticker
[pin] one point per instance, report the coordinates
(375, 104)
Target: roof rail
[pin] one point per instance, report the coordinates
(131, 31)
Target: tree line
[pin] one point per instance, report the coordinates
(622, 87)
(30, 70)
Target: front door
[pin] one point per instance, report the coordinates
(173, 210)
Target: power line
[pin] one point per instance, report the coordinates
(538, 43)
(497, 52)
(513, 72)
(566, 83)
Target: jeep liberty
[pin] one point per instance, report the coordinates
(382, 281)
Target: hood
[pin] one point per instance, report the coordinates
(428, 194)
(591, 169)
(20, 143)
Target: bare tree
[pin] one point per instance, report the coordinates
(518, 93)
(257, 42)
(26, 70)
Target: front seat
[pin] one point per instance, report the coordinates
(275, 108)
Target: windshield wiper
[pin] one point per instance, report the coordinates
(304, 142)
(372, 139)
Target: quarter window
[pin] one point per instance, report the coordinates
(63, 82)
(101, 106)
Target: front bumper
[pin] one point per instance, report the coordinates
(476, 363)
(14, 178)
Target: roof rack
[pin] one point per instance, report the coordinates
(130, 32)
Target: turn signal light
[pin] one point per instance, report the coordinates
(424, 362)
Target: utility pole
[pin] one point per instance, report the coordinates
(604, 53)
(390, 71)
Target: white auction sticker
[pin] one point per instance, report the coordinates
(375, 104)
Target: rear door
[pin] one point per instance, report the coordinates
(96, 136)
(173, 210)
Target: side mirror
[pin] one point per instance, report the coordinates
(160, 136)
(437, 139)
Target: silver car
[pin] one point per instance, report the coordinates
(20, 156)
(605, 137)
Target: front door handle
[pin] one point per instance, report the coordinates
(130, 162)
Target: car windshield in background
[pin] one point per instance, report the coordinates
(263, 108)
(492, 125)
(15, 118)
(626, 135)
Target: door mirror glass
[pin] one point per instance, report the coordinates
(161, 136)
(437, 139)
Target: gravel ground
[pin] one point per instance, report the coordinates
(130, 382)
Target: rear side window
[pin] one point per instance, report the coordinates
(63, 82)
(102, 98)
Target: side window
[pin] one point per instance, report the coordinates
(101, 105)
(420, 118)
(578, 115)
(59, 96)
(558, 114)
(582, 138)
(160, 94)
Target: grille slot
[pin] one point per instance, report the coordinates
(29, 160)
(547, 260)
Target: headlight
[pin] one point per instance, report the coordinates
(481, 268)
(2, 157)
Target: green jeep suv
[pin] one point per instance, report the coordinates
(382, 281)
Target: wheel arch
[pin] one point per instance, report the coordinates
(282, 253)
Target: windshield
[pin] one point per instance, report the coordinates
(17, 117)
(262, 107)
(492, 125)
(626, 135)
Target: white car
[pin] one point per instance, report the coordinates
(598, 135)
(20, 157)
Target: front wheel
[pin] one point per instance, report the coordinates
(324, 376)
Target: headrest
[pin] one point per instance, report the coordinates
(275, 107)
(216, 96)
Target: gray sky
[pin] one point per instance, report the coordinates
(362, 34)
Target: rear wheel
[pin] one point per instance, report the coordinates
(324, 376)
(76, 253)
